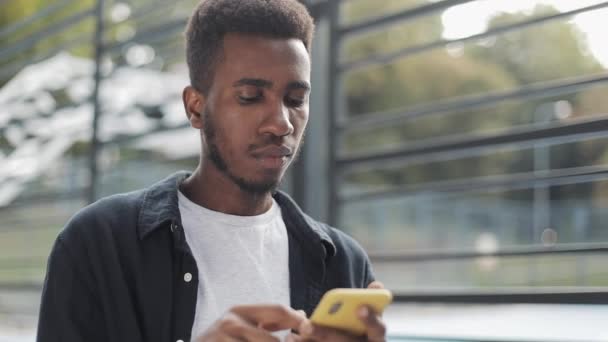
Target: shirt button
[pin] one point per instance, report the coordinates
(187, 277)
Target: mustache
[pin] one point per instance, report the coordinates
(271, 142)
(273, 151)
(276, 146)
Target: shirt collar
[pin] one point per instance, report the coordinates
(304, 227)
(160, 207)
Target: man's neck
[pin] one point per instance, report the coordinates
(212, 189)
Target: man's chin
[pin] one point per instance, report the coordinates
(258, 187)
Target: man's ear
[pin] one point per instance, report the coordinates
(194, 104)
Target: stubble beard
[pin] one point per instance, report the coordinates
(215, 156)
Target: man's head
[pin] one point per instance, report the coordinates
(213, 19)
(249, 66)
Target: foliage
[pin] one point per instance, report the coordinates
(39, 38)
(552, 51)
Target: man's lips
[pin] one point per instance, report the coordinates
(273, 152)
(273, 157)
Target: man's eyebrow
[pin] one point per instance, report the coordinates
(256, 82)
(298, 85)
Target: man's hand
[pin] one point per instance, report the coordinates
(376, 329)
(253, 323)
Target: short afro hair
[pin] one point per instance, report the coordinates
(213, 19)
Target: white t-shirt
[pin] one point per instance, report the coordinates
(240, 260)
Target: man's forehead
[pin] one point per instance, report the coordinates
(263, 83)
(257, 57)
(240, 43)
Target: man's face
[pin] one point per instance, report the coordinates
(256, 110)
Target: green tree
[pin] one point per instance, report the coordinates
(15, 12)
(552, 51)
(417, 79)
(549, 51)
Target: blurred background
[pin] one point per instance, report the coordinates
(463, 143)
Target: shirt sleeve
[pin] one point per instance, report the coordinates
(369, 272)
(68, 309)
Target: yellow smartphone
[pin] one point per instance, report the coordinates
(338, 308)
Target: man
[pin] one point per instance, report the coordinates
(217, 254)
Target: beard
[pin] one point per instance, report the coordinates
(215, 156)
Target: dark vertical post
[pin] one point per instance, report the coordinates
(95, 145)
(309, 178)
(332, 109)
(310, 181)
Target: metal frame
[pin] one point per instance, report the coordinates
(450, 105)
(516, 251)
(29, 41)
(399, 17)
(451, 147)
(341, 123)
(43, 13)
(532, 295)
(385, 59)
(524, 136)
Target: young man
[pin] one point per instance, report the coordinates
(217, 254)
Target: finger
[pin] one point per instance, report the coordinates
(304, 322)
(306, 328)
(270, 317)
(294, 338)
(236, 327)
(215, 335)
(226, 338)
(375, 285)
(222, 338)
(376, 329)
(321, 333)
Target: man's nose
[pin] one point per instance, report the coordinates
(277, 121)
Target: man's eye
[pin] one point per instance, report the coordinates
(249, 99)
(294, 102)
